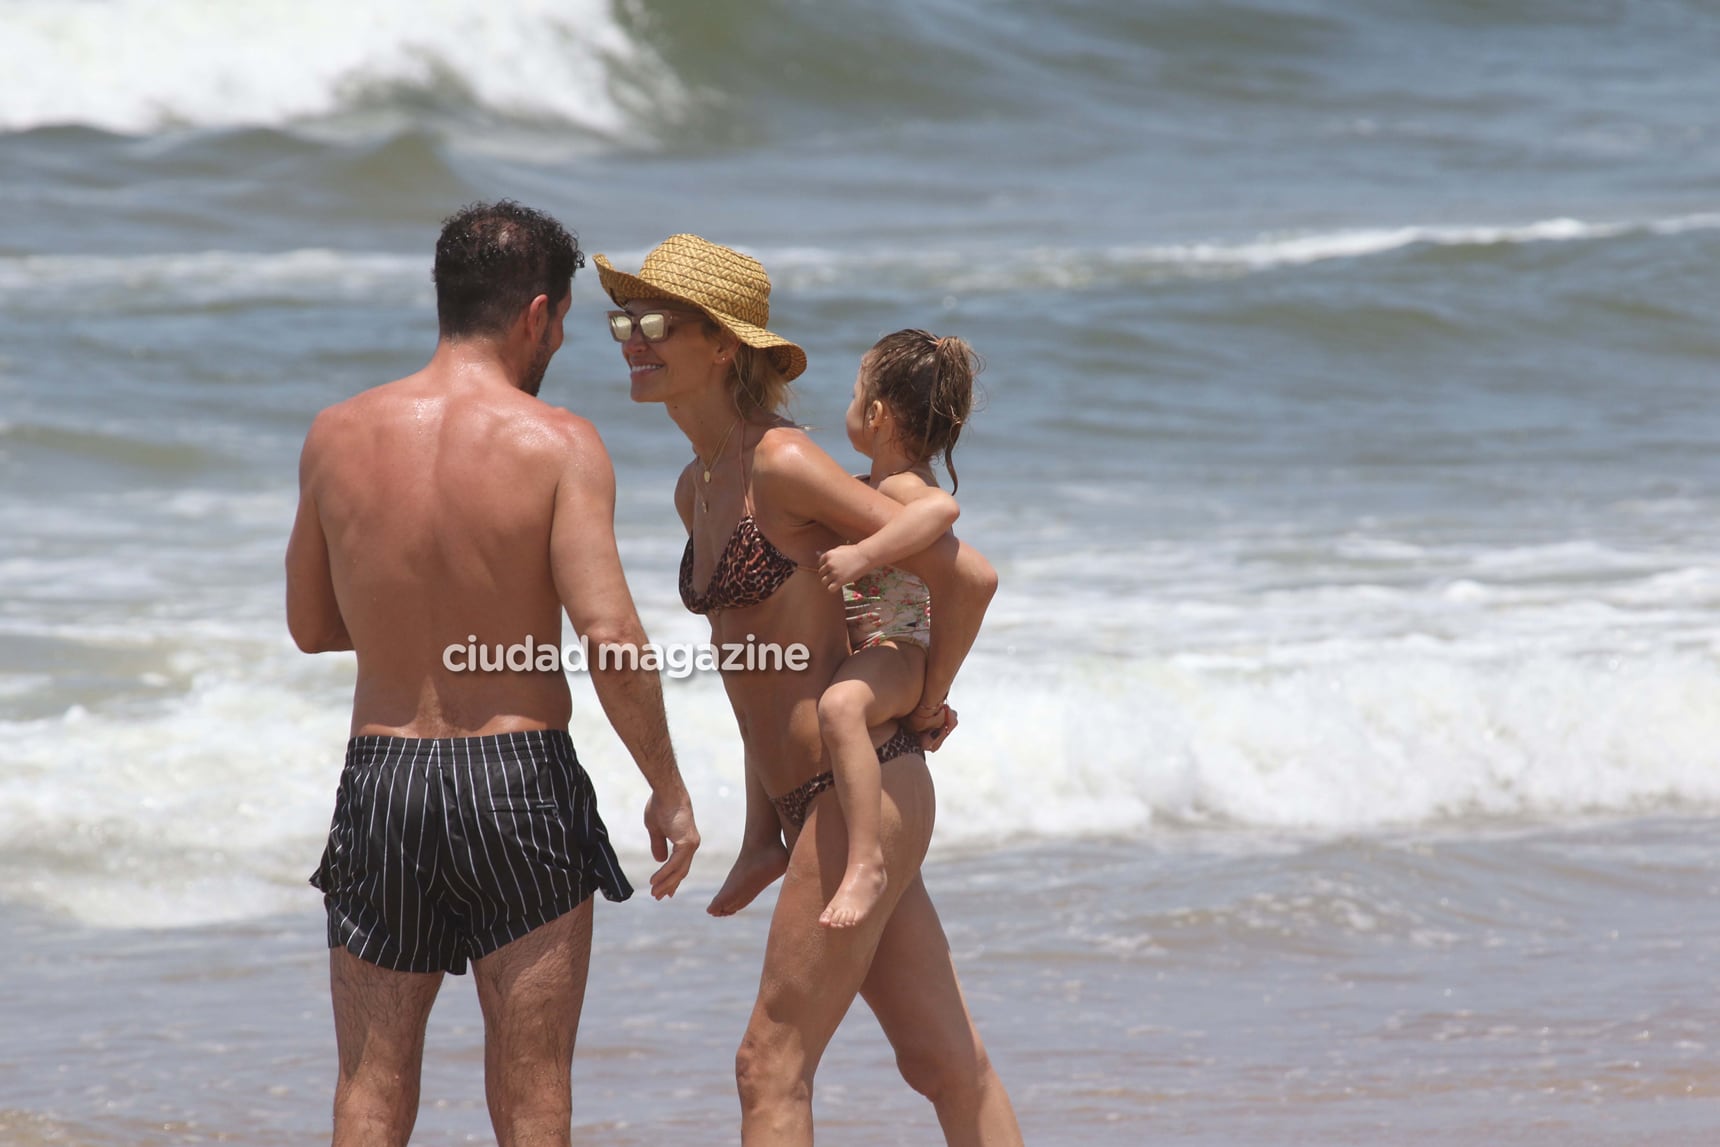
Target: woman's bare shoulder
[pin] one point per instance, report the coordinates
(788, 451)
(793, 474)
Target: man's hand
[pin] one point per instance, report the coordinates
(933, 725)
(674, 839)
(841, 565)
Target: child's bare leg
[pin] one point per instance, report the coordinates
(763, 856)
(872, 686)
(859, 789)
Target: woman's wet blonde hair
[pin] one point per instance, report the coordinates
(755, 383)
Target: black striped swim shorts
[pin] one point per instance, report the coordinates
(444, 850)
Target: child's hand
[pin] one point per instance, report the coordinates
(842, 564)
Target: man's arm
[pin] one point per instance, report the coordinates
(313, 614)
(589, 580)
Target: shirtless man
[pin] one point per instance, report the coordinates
(447, 508)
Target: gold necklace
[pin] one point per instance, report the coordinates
(704, 497)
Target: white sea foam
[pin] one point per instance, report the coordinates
(204, 278)
(1295, 249)
(1289, 250)
(811, 269)
(1401, 737)
(215, 805)
(319, 275)
(140, 65)
(1370, 682)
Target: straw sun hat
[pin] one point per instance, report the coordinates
(730, 287)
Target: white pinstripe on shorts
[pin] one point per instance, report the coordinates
(443, 850)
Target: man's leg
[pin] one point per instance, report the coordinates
(531, 991)
(379, 1018)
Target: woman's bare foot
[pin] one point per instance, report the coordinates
(755, 869)
(861, 886)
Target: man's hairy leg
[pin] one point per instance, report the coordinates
(531, 992)
(379, 1019)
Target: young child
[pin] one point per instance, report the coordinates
(911, 397)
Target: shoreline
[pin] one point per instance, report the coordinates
(1340, 991)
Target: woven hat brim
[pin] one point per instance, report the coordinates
(623, 288)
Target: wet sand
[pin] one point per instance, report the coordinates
(1498, 985)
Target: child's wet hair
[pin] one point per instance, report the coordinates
(927, 382)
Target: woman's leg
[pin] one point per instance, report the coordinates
(872, 686)
(812, 973)
(912, 989)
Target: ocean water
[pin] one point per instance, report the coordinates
(1338, 762)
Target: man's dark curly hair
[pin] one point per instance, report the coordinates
(493, 259)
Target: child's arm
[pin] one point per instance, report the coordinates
(927, 515)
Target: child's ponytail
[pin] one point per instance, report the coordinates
(927, 382)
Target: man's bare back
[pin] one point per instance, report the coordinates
(438, 496)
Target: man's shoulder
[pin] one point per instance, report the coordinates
(332, 423)
(393, 417)
(357, 409)
(557, 439)
(562, 423)
(521, 419)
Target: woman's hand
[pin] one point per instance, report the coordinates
(932, 724)
(840, 565)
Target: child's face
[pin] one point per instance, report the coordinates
(859, 433)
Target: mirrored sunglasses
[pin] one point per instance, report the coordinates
(653, 326)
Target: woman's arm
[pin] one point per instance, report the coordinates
(967, 585)
(796, 480)
(927, 515)
(792, 475)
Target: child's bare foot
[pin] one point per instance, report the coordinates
(861, 886)
(756, 868)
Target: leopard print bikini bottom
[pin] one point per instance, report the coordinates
(797, 802)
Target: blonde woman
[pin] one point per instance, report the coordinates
(761, 503)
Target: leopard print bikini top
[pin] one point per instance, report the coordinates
(748, 570)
